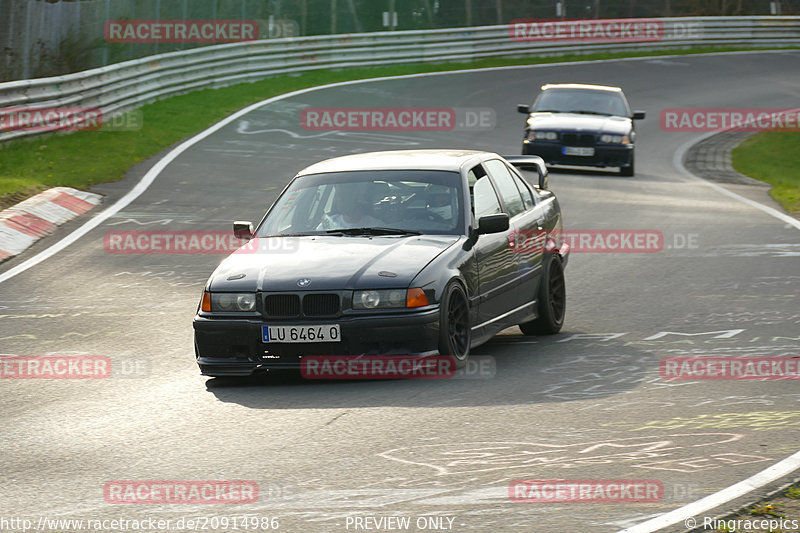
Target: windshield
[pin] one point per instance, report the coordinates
(581, 101)
(377, 202)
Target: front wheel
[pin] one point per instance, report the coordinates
(552, 297)
(629, 170)
(454, 329)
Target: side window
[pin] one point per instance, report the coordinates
(527, 195)
(481, 191)
(508, 189)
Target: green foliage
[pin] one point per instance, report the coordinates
(773, 157)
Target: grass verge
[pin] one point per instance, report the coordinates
(85, 158)
(779, 514)
(774, 158)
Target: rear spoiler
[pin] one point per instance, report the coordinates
(533, 163)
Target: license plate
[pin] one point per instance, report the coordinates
(578, 150)
(295, 334)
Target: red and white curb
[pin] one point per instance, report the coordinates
(30, 220)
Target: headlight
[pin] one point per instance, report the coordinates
(614, 139)
(389, 299)
(379, 299)
(231, 302)
(542, 135)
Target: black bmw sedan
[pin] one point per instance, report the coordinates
(418, 252)
(583, 125)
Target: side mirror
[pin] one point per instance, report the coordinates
(492, 224)
(522, 108)
(243, 229)
(638, 115)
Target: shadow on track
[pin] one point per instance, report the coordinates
(528, 371)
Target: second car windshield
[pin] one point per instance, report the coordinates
(581, 101)
(356, 202)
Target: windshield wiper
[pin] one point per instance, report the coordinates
(373, 231)
(305, 234)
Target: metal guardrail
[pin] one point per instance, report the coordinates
(124, 86)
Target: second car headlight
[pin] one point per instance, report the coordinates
(233, 302)
(614, 139)
(542, 135)
(379, 299)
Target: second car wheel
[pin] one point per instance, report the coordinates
(627, 171)
(552, 299)
(454, 327)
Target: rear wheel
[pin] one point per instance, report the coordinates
(454, 328)
(552, 298)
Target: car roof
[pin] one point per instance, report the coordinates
(580, 86)
(452, 160)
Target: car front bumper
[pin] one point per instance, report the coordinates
(604, 155)
(233, 346)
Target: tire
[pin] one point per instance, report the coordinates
(629, 170)
(454, 327)
(552, 299)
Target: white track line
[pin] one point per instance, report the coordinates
(677, 161)
(688, 513)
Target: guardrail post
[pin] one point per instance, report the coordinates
(105, 46)
(26, 53)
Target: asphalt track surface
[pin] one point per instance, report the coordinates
(584, 404)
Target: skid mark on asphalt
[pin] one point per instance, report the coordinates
(643, 402)
(45, 315)
(751, 250)
(705, 462)
(617, 371)
(49, 339)
(753, 420)
(753, 318)
(456, 459)
(26, 336)
(245, 128)
(67, 303)
(762, 282)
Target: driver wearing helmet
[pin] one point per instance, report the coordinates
(440, 205)
(349, 210)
